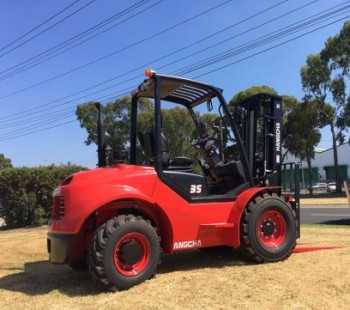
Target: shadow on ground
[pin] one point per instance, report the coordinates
(208, 258)
(337, 222)
(42, 277)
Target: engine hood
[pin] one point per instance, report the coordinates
(122, 174)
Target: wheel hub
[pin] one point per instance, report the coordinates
(130, 253)
(268, 228)
(272, 228)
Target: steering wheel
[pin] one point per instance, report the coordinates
(203, 143)
(208, 148)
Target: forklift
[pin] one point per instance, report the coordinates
(118, 219)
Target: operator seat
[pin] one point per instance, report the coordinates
(230, 178)
(148, 144)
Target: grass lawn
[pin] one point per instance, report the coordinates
(191, 280)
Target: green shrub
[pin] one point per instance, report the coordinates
(26, 193)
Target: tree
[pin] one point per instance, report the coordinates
(302, 133)
(324, 80)
(177, 125)
(26, 193)
(317, 82)
(337, 50)
(178, 128)
(116, 121)
(337, 54)
(5, 162)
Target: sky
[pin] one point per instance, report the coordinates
(55, 55)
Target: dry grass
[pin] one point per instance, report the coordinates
(193, 280)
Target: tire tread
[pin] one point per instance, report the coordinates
(99, 241)
(246, 245)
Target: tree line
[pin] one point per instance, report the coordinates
(26, 193)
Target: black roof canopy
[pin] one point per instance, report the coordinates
(178, 90)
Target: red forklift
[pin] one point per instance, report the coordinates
(118, 219)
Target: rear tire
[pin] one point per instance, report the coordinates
(268, 229)
(124, 252)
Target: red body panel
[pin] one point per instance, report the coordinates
(181, 224)
(211, 223)
(89, 190)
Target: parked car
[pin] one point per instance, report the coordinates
(331, 187)
(320, 187)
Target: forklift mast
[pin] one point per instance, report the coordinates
(259, 119)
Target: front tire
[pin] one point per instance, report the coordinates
(268, 229)
(124, 252)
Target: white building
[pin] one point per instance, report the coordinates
(323, 164)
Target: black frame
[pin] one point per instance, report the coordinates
(192, 94)
(266, 109)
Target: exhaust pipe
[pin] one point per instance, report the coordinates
(101, 137)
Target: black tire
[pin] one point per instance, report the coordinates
(268, 229)
(124, 252)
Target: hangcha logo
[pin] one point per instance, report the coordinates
(278, 137)
(187, 244)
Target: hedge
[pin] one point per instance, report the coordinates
(26, 193)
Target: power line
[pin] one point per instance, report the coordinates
(200, 51)
(43, 56)
(118, 51)
(52, 119)
(38, 118)
(47, 29)
(270, 48)
(135, 69)
(259, 42)
(38, 26)
(296, 27)
(32, 111)
(140, 67)
(19, 133)
(52, 115)
(38, 130)
(232, 37)
(282, 33)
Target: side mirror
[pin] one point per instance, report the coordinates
(209, 105)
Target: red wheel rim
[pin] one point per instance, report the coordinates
(132, 269)
(272, 229)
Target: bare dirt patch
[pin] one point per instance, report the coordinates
(191, 280)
